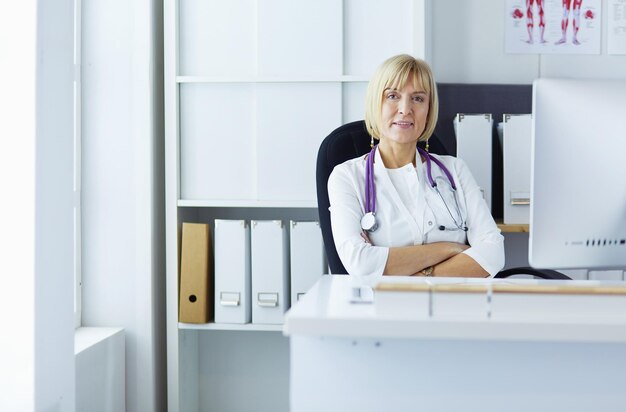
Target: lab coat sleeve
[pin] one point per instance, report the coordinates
(358, 257)
(483, 235)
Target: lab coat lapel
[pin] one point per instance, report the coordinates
(380, 172)
(427, 220)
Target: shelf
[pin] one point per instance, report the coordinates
(312, 204)
(269, 79)
(304, 204)
(521, 228)
(249, 327)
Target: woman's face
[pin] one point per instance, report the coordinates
(404, 113)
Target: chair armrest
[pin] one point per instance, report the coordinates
(540, 273)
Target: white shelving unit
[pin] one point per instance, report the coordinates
(251, 89)
(248, 203)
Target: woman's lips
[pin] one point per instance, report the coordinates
(403, 125)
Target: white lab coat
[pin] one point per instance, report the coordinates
(414, 224)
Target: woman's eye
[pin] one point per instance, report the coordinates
(392, 96)
(418, 99)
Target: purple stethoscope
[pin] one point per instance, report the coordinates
(368, 221)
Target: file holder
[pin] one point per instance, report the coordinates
(232, 271)
(196, 294)
(307, 257)
(474, 146)
(270, 271)
(516, 141)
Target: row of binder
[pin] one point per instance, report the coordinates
(474, 146)
(261, 267)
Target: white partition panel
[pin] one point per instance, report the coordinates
(375, 30)
(354, 101)
(210, 30)
(292, 120)
(216, 141)
(299, 38)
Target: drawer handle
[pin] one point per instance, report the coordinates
(516, 201)
(229, 298)
(267, 300)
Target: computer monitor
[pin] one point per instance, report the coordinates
(578, 178)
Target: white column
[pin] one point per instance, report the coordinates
(36, 250)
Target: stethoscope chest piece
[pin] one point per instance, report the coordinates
(368, 222)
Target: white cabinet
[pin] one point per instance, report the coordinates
(252, 87)
(216, 141)
(299, 38)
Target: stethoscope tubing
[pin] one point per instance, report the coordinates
(429, 158)
(370, 189)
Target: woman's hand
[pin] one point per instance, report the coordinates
(366, 237)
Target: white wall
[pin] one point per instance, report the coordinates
(123, 268)
(36, 293)
(468, 47)
(17, 206)
(54, 213)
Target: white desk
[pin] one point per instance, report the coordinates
(345, 357)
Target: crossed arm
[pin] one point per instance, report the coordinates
(485, 256)
(446, 258)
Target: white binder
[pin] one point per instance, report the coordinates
(516, 164)
(232, 271)
(307, 257)
(473, 145)
(270, 271)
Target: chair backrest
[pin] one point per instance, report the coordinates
(344, 143)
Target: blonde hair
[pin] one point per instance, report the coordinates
(394, 73)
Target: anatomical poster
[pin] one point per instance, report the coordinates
(553, 26)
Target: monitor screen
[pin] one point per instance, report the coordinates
(578, 177)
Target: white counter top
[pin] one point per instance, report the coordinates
(326, 311)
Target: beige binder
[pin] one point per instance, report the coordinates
(196, 294)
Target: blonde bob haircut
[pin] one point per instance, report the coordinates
(394, 73)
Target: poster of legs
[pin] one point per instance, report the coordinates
(553, 26)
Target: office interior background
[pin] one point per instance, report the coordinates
(123, 194)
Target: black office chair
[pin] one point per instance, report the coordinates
(352, 140)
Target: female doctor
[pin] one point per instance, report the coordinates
(403, 211)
